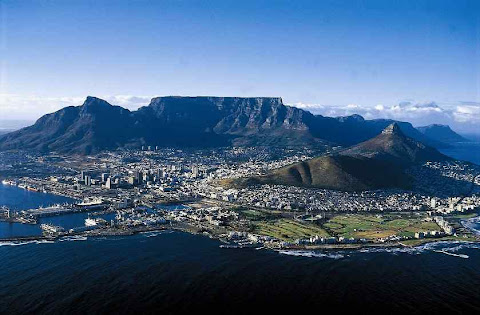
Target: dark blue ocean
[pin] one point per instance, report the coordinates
(21, 199)
(467, 151)
(173, 272)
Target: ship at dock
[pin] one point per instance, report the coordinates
(9, 182)
(51, 229)
(54, 210)
(95, 222)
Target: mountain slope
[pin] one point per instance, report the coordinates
(83, 129)
(374, 164)
(334, 172)
(392, 145)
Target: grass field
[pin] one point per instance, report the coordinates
(255, 214)
(288, 230)
(372, 226)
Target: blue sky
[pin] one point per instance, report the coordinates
(332, 57)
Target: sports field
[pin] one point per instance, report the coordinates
(377, 226)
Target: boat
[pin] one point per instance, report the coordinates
(95, 222)
(8, 182)
(50, 228)
(91, 202)
(90, 222)
(27, 220)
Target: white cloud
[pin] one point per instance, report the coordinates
(467, 114)
(462, 116)
(130, 102)
(15, 106)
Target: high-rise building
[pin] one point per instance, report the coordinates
(138, 177)
(195, 171)
(160, 174)
(104, 177)
(88, 180)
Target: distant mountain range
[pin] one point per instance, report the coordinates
(374, 164)
(199, 122)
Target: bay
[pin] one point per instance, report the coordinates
(466, 151)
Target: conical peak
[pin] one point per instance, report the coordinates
(92, 101)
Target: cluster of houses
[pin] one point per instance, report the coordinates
(329, 240)
(212, 215)
(138, 216)
(447, 229)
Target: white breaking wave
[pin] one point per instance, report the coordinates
(311, 254)
(471, 224)
(439, 247)
(449, 246)
(20, 243)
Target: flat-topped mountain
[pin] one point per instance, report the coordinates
(193, 122)
(442, 133)
(373, 164)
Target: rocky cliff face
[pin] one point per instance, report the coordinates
(234, 115)
(194, 122)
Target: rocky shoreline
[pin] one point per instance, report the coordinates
(186, 228)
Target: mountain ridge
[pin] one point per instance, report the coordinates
(202, 121)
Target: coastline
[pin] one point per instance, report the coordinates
(215, 234)
(190, 229)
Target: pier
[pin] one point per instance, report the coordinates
(60, 210)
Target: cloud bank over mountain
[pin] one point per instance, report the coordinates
(15, 106)
(462, 116)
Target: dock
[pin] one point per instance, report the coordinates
(60, 210)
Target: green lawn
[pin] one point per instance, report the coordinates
(255, 214)
(373, 226)
(288, 230)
